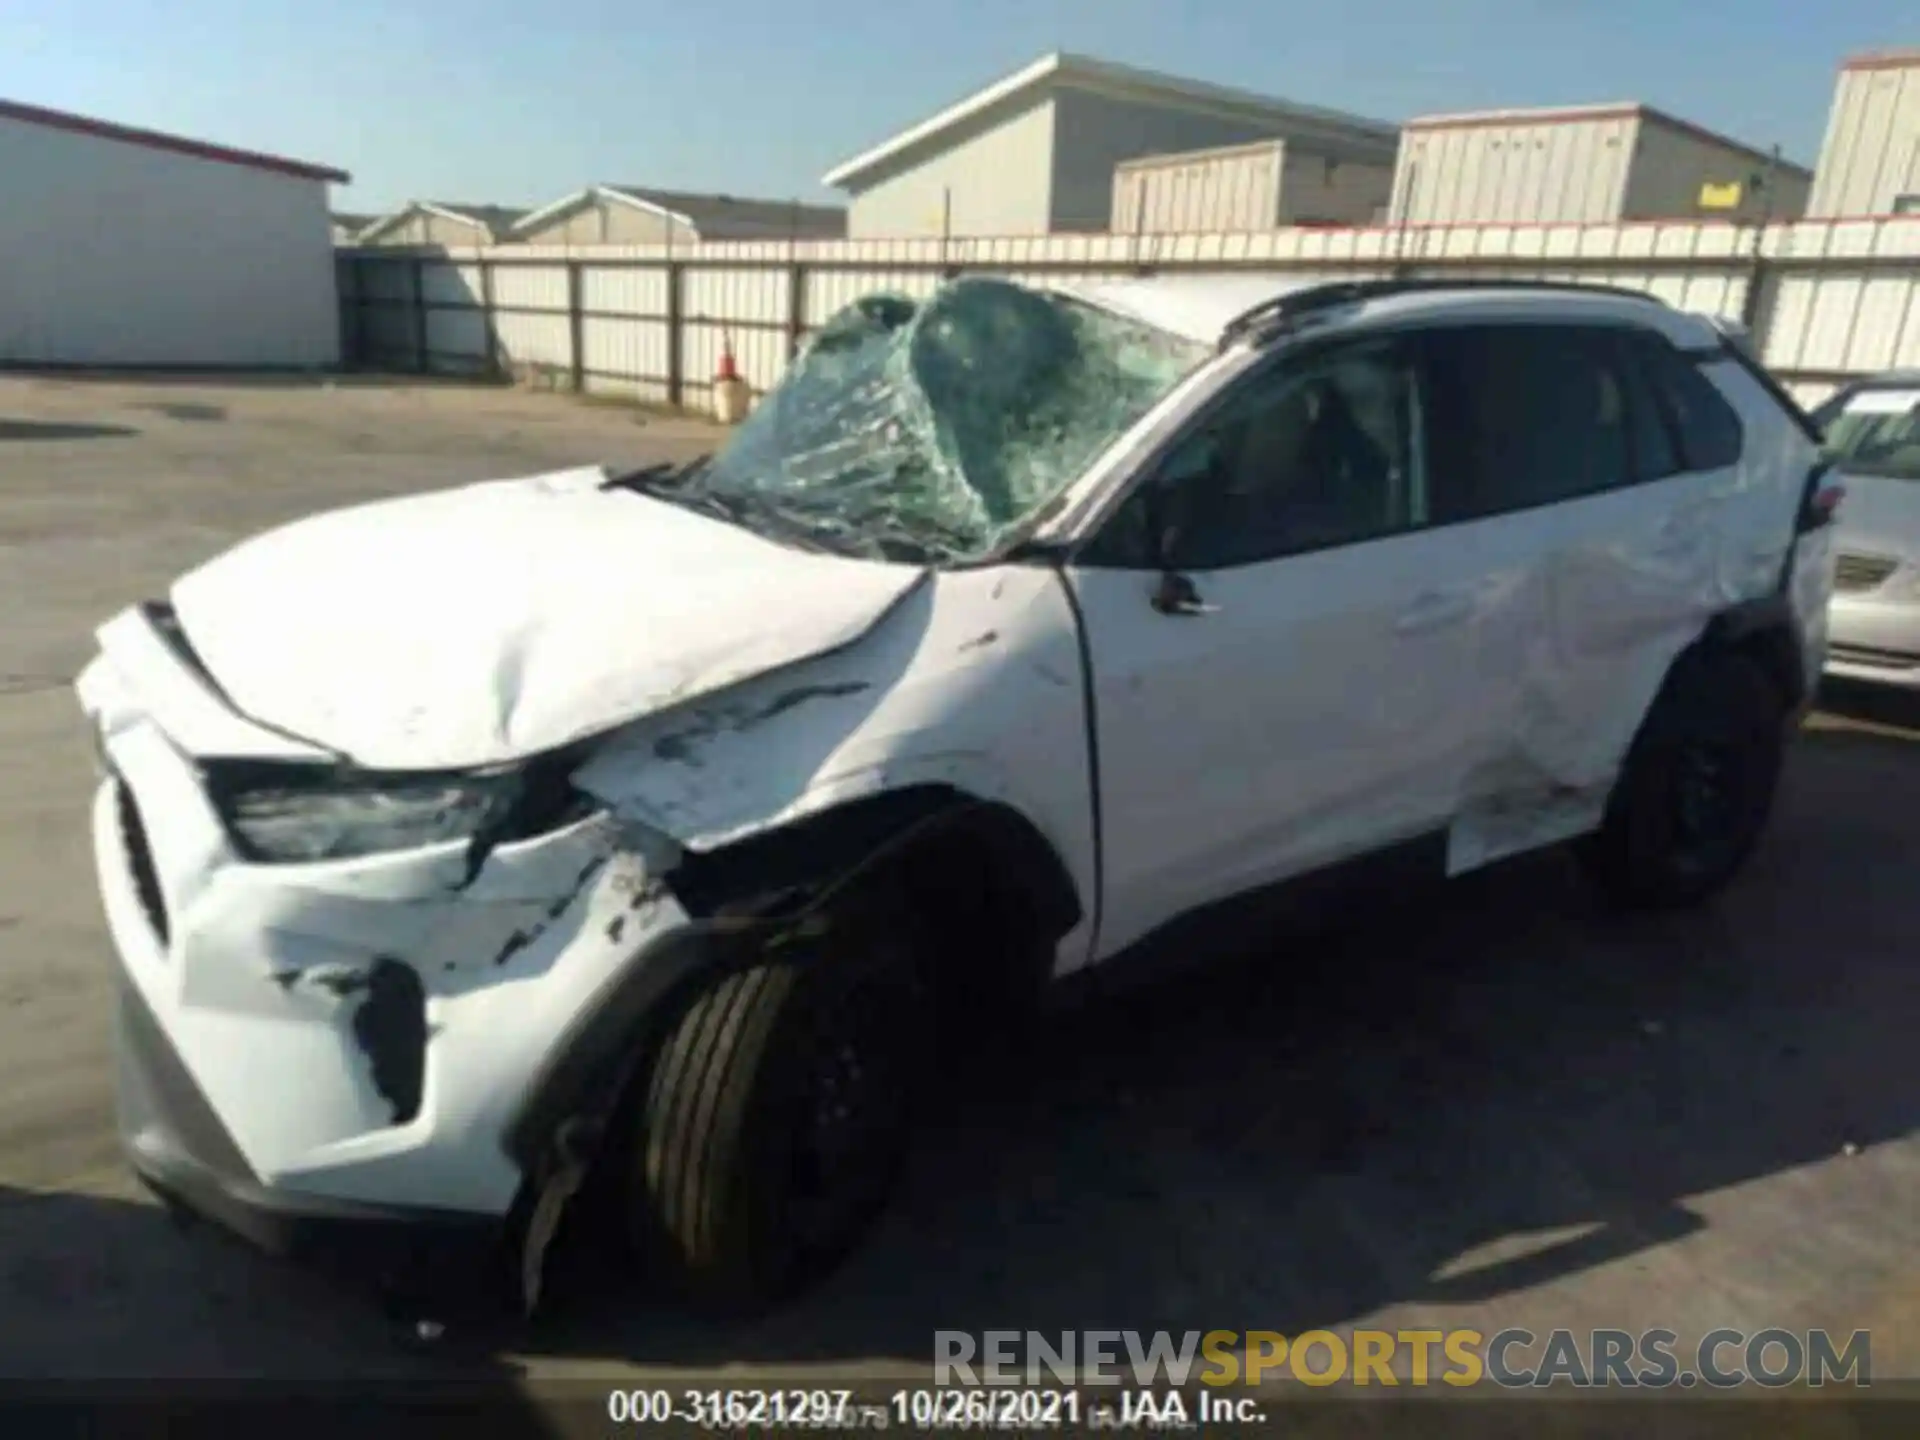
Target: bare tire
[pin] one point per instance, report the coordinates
(1697, 786)
(772, 1121)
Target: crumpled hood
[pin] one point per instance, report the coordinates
(477, 625)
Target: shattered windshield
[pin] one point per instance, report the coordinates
(927, 431)
(1877, 433)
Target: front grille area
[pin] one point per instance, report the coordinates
(1869, 655)
(133, 841)
(1861, 572)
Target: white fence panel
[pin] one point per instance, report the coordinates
(623, 290)
(626, 350)
(1835, 299)
(457, 341)
(538, 340)
(530, 287)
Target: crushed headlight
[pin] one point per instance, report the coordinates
(290, 813)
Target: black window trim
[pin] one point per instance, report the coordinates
(1696, 360)
(1611, 332)
(1088, 553)
(1763, 377)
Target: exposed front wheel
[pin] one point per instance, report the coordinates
(774, 1116)
(1696, 788)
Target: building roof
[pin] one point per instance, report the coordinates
(711, 216)
(1908, 59)
(1578, 114)
(496, 220)
(351, 222)
(1123, 82)
(175, 144)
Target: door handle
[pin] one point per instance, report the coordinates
(1431, 611)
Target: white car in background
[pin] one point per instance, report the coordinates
(651, 829)
(1873, 438)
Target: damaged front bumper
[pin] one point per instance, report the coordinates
(180, 1149)
(343, 1056)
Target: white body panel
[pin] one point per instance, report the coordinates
(1332, 703)
(122, 254)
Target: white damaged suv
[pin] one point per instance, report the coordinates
(645, 828)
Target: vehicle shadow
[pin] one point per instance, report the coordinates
(98, 1287)
(1378, 1112)
(1876, 704)
(56, 430)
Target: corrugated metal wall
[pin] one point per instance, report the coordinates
(1870, 158)
(995, 179)
(1246, 187)
(1835, 299)
(1544, 172)
(1320, 190)
(1095, 133)
(1235, 188)
(1670, 165)
(120, 254)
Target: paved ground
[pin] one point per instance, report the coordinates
(1488, 1107)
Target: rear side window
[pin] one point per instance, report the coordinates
(1706, 428)
(1525, 415)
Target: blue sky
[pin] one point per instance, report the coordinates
(517, 102)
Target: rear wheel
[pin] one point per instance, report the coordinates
(1696, 788)
(774, 1116)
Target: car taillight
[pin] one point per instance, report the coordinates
(1822, 500)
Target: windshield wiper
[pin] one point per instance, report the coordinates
(657, 479)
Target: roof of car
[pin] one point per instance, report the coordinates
(1203, 307)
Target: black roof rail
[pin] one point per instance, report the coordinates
(1272, 317)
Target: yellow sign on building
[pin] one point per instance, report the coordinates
(1720, 197)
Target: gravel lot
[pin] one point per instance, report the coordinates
(1492, 1106)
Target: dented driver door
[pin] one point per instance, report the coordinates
(1295, 683)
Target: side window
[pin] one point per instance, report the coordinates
(1314, 452)
(1650, 419)
(1526, 415)
(1706, 427)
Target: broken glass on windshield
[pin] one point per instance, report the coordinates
(926, 432)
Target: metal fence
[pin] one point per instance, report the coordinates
(1825, 300)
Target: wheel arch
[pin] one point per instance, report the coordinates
(1765, 631)
(742, 894)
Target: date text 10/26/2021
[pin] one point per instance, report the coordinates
(1015, 1409)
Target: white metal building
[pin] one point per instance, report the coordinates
(1870, 159)
(126, 247)
(644, 215)
(1035, 153)
(442, 222)
(1596, 165)
(1262, 186)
